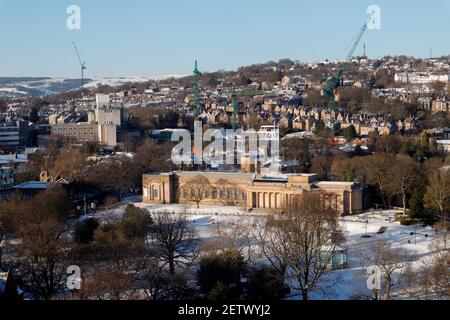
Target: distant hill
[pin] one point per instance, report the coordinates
(38, 86)
(7, 80)
(41, 86)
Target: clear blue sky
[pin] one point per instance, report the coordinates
(149, 37)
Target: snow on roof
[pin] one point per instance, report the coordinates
(300, 135)
(272, 178)
(34, 150)
(38, 185)
(238, 174)
(300, 174)
(126, 154)
(17, 159)
(173, 130)
(335, 183)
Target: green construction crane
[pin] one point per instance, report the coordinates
(334, 82)
(234, 95)
(196, 92)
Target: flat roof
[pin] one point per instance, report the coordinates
(334, 183)
(36, 185)
(274, 180)
(214, 173)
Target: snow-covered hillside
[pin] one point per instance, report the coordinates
(50, 86)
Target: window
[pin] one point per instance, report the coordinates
(155, 193)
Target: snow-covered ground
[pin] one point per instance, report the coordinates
(12, 90)
(118, 81)
(415, 240)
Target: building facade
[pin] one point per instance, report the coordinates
(105, 134)
(250, 190)
(420, 78)
(14, 135)
(78, 131)
(106, 111)
(101, 127)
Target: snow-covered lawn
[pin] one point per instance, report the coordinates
(416, 240)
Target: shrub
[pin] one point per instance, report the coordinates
(407, 221)
(84, 230)
(220, 274)
(136, 222)
(266, 284)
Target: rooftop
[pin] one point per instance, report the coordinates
(34, 185)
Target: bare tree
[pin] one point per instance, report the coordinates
(6, 223)
(153, 279)
(307, 236)
(346, 169)
(322, 166)
(116, 177)
(270, 241)
(174, 239)
(376, 170)
(391, 262)
(298, 149)
(105, 283)
(43, 256)
(69, 164)
(111, 262)
(196, 190)
(436, 273)
(404, 175)
(437, 196)
(234, 235)
(431, 280)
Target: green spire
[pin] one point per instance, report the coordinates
(196, 91)
(196, 68)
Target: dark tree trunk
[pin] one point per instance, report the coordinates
(171, 265)
(305, 295)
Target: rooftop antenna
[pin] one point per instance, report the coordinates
(82, 64)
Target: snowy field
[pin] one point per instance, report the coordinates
(351, 282)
